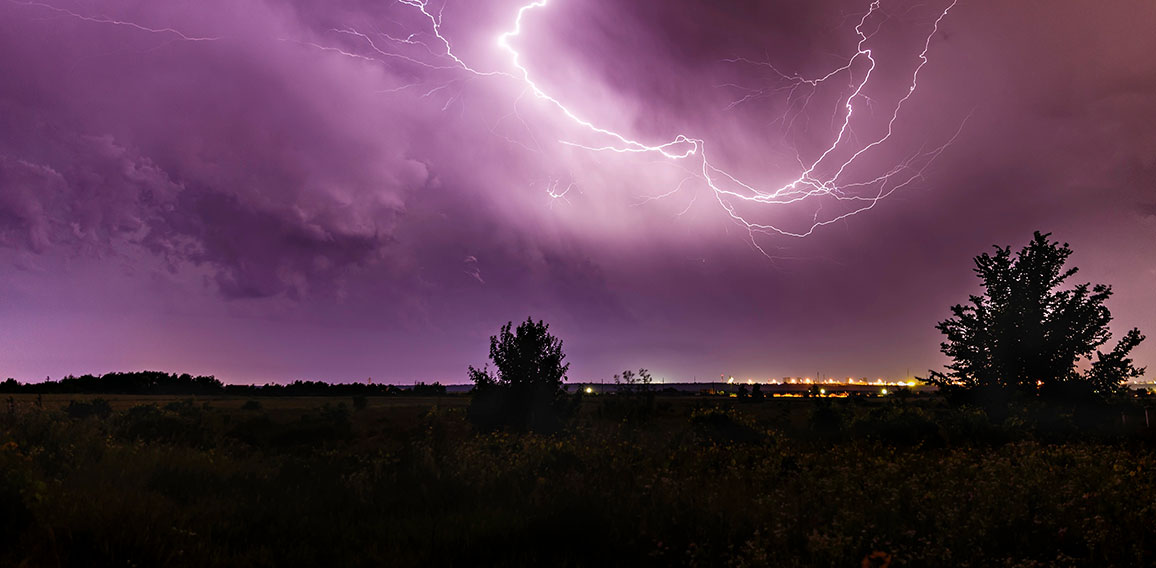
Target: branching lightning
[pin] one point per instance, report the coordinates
(823, 177)
(730, 191)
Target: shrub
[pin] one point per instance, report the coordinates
(724, 425)
(901, 425)
(98, 407)
(146, 422)
(825, 420)
(186, 407)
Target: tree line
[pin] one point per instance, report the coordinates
(161, 383)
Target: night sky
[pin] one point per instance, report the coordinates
(270, 191)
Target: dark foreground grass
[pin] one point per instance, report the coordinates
(308, 482)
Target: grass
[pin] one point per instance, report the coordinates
(701, 482)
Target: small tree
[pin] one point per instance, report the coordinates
(1026, 334)
(633, 398)
(630, 383)
(525, 390)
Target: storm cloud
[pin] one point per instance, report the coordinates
(318, 182)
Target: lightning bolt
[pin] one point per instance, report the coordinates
(436, 23)
(110, 21)
(729, 190)
(819, 179)
(552, 189)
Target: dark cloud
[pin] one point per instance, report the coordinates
(81, 192)
(236, 157)
(291, 185)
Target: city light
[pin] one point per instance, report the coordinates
(849, 381)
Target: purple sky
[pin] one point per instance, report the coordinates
(253, 190)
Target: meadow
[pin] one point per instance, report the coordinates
(117, 480)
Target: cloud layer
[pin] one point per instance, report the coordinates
(320, 182)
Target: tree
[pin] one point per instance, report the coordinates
(633, 398)
(630, 383)
(1025, 334)
(525, 390)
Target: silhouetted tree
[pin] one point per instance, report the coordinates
(1025, 334)
(525, 390)
(630, 383)
(422, 389)
(633, 398)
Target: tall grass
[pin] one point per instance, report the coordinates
(778, 483)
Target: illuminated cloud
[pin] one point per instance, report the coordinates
(341, 167)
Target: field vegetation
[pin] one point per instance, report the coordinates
(121, 480)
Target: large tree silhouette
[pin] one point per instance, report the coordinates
(1027, 333)
(525, 390)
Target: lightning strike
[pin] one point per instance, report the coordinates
(729, 190)
(552, 189)
(436, 23)
(821, 177)
(373, 46)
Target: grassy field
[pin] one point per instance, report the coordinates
(400, 481)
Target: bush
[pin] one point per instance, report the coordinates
(147, 423)
(324, 425)
(826, 421)
(724, 425)
(186, 407)
(98, 407)
(900, 425)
